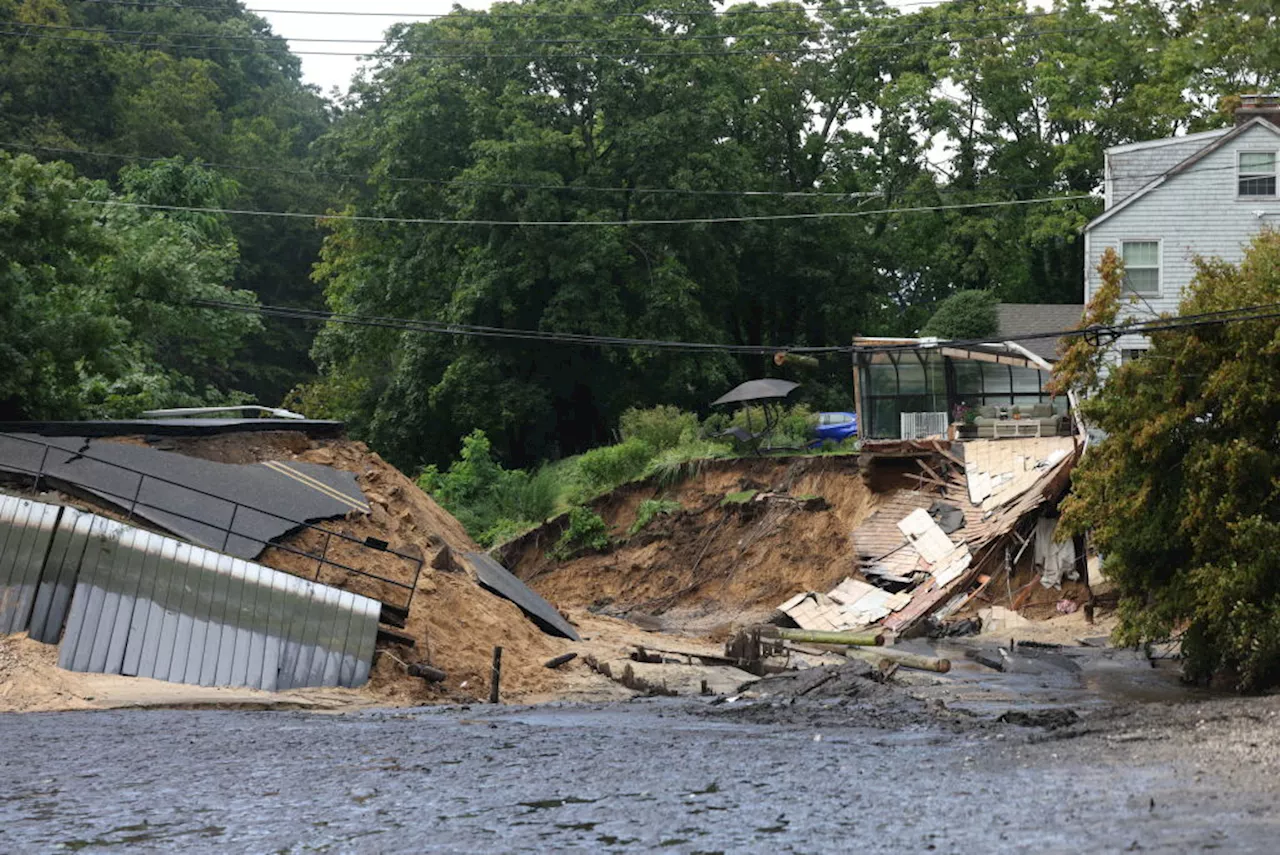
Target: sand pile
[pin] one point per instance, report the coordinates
(455, 621)
(712, 564)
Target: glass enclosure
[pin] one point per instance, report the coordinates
(926, 381)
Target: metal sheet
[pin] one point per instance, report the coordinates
(149, 605)
(27, 529)
(61, 568)
(500, 581)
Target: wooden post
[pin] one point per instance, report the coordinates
(857, 398)
(496, 678)
(901, 657)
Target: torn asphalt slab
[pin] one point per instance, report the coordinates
(499, 580)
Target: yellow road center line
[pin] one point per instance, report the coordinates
(317, 485)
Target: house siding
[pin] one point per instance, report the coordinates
(1129, 170)
(1194, 213)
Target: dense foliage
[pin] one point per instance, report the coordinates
(93, 321)
(1183, 496)
(524, 113)
(105, 86)
(965, 314)
(562, 111)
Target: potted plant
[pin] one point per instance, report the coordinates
(1016, 412)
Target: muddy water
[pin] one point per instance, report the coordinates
(654, 775)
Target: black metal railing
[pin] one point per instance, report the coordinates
(132, 504)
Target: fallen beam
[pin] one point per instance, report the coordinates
(863, 638)
(903, 659)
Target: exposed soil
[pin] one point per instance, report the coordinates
(711, 565)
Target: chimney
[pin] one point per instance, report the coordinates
(1265, 106)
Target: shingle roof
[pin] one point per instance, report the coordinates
(1016, 318)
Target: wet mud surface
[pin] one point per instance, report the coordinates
(813, 774)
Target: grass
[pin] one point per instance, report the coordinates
(496, 504)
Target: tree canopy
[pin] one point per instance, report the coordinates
(965, 314)
(109, 86)
(94, 321)
(1182, 497)
(927, 139)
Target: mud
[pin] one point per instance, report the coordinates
(712, 565)
(637, 777)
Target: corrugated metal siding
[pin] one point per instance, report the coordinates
(150, 606)
(143, 604)
(26, 529)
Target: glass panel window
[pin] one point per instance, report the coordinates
(1257, 174)
(1141, 265)
(995, 382)
(882, 380)
(910, 375)
(1026, 380)
(968, 377)
(1129, 354)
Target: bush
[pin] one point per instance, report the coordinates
(604, 468)
(685, 460)
(794, 428)
(965, 314)
(662, 427)
(492, 503)
(586, 532)
(650, 508)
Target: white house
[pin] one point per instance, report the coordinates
(1171, 200)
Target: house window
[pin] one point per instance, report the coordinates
(1257, 173)
(1129, 354)
(1141, 265)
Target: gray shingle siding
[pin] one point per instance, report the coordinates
(1194, 213)
(1130, 171)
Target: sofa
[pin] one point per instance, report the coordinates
(1050, 423)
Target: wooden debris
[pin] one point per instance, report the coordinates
(903, 659)
(427, 672)
(864, 638)
(562, 659)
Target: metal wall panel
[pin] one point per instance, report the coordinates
(127, 601)
(26, 533)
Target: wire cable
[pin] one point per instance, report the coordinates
(410, 55)
(1244, 313)
(437, 221)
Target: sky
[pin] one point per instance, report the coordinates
(328, 72)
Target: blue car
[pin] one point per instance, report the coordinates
(836, 427)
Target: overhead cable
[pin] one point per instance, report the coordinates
(1245, 313)
(730, 51)
(439, 221)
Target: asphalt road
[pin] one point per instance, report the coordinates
(651, 775)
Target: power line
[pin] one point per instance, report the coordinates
(759, 51)
(434, 221)
(575, 188)
(473, 330)
(506, 185)
(463, 13)
(1246, 313)
(900, 24)
(1262, 311)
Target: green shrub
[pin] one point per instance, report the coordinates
(650, 508)
(965, 314)
(604, 468)
(794, 428)
(492, 503)
(662, 427)
(586, 532)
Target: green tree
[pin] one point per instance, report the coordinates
(94, 313)
(965, 314)
(208, 82)
(1183, 496)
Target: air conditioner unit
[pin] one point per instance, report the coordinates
(921, 425)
